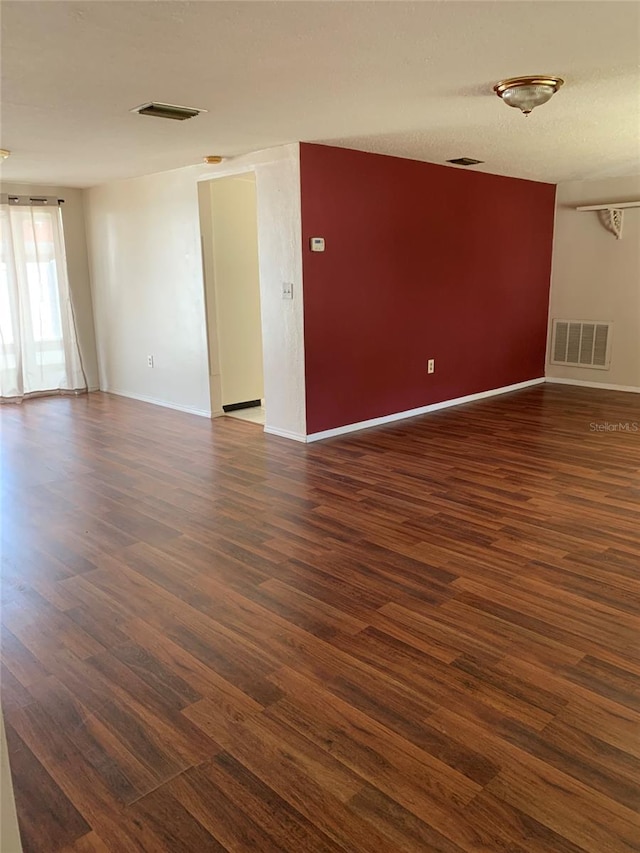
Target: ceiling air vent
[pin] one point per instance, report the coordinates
(465, 161)
(167, 111)
(581, 343)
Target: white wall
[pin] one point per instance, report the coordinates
(236, 287)
(596, 277)
(144, 249)
(148, 290)
(280, 254)
(73, 216)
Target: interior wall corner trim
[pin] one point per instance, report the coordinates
(285, 433)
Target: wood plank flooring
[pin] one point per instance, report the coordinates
(420, 637)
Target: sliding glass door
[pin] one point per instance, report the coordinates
(38, 347)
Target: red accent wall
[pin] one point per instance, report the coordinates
(421, 261)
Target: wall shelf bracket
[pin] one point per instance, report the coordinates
(612, 219)
(611, 214)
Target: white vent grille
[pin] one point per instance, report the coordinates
(581, 343)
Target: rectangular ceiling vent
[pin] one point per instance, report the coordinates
(171, 111)
(465, 161)
(581, 343)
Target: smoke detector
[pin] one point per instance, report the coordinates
(172, 111)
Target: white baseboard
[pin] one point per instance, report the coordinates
(386, 419)
(190, 410)
(421, 410)
(285, 433)
(582, 383)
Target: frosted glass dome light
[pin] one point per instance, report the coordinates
(527, 93)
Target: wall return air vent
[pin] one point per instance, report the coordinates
(581, 343)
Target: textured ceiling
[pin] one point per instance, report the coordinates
(410, 79)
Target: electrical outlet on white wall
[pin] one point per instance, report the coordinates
(287, 290)
(150, 361)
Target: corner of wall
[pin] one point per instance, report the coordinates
(597, 278)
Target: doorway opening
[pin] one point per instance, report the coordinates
(229, 229)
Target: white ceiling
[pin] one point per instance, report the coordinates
(406, 78)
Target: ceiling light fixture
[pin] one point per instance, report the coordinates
(527, 93)
(4, 153)
(212, 159)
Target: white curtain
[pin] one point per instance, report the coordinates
(38, 346)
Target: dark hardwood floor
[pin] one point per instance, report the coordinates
(421, 637)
